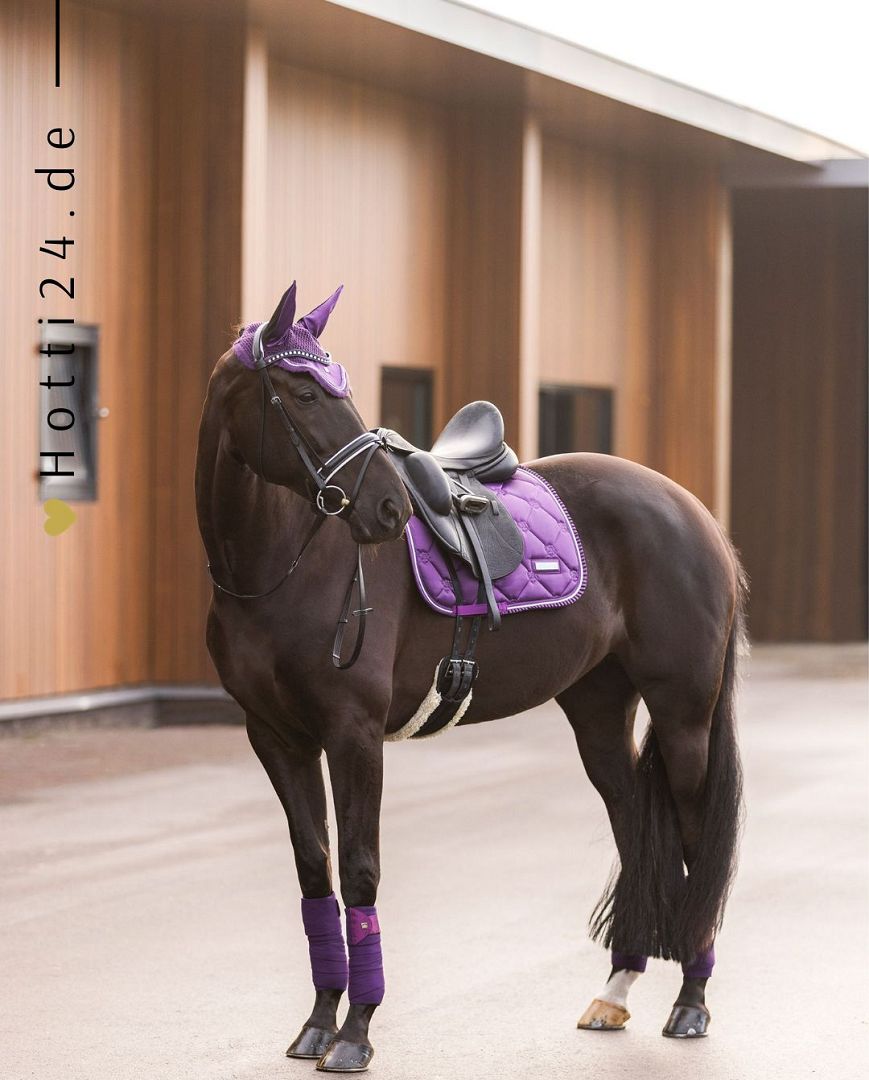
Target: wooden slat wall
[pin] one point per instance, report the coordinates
(197, 245)
(629, 299)
(799, 410)
(419, 208)
(596, 297)
(75, 610)
(357, 194)
(690, 217)
(121, 597)
(485, 210)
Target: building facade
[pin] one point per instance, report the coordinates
(620, 264)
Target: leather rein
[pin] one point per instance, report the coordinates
(329, 501)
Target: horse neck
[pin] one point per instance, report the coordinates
(251, 529)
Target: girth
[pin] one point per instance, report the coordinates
(470, 522)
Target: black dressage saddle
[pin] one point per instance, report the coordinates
(446, 488)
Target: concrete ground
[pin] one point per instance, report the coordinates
(151, 925)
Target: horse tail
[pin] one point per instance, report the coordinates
(651, 907)
(709, 883)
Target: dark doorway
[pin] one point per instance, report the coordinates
(406, 403)
(798, 463)
(575, 418)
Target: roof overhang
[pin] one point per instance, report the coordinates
(572, 65)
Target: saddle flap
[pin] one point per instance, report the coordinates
(430, 481)
(421, 483)
(500, 540)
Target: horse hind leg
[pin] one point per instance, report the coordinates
(692, 749)
(601, 708)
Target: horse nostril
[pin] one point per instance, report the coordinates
(388, 513)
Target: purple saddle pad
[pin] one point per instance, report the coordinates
(552, 573)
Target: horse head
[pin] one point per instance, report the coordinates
(296, 424)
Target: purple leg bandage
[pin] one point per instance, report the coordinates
(701, 966)
(322, 920)
(366, 960)
(628, 961)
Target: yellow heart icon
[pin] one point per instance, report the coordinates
(58, 516)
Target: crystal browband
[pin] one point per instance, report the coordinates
(325, 360)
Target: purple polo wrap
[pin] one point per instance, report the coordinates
(322, 921)
(701, 966)
(628, 961)
(367, 984)
(331, 376)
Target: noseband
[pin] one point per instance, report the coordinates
(330, 499)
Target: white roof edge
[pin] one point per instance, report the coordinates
(534, 50)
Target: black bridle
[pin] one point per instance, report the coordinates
(330, 499)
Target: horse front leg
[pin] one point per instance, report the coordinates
(293, 766)
(355, 759)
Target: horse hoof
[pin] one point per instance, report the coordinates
(687, 1022)
(311, 1042)
(344, 1056)
(603, 1016)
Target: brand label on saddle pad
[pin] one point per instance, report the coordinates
(552, 573)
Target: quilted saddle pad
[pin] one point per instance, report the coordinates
(553, 570)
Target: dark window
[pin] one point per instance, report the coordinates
(575, 418)
(68, 413)
(406, 403)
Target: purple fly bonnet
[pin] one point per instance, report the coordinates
(295, 346)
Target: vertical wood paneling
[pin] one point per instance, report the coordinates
(689, 220)
(209, 174)
(255, 208)
(356, 194)
(75, 609)
(799, 410)
(121, 597)
(198, 298)
(485, 212)
(597, 300)
(631, 300)
(530, 273)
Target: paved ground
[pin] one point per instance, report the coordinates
(151, 925)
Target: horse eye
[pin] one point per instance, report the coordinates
(306, 397)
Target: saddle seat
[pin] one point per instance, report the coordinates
(473, 442)
(446, 488)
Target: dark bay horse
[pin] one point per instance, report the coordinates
(660, 620)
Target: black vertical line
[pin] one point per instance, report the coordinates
(57, 42)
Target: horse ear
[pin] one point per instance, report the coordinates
(315, 321)
(283, 316)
